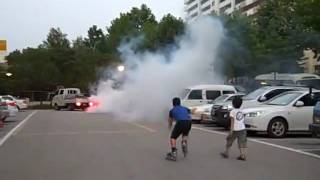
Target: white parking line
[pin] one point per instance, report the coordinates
(10, 133)
(143, 127)
(262, 142)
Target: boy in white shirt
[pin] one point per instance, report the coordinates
(237, 130)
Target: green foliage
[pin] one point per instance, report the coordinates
(271, 40)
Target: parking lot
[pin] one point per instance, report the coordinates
(300, 142)
(47, 144)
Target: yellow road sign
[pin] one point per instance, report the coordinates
(3, 45)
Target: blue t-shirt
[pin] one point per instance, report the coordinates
(180, 113)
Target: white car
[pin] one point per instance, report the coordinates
(21, 103)
(290, 111)
(9, 107)
(203, 112)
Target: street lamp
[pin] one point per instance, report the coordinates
(121, 68)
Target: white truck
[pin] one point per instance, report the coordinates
(70, 98)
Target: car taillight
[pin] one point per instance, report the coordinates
(11, 103)
(78, 103)
(90, 103)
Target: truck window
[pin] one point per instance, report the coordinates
(212, 95)
(195, 94)
(228, 92)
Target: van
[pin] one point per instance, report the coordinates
(304, 79)
(204, 94)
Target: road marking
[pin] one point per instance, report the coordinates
(10, 133)
(143, 127)
(263, 142)
(79, 133)
(115, 132)
(311, 149)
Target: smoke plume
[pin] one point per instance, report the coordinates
(151, 80)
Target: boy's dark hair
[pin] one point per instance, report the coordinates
(237, 102)
(176, 101)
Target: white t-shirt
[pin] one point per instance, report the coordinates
(238, 117)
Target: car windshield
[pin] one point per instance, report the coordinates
(221, 98)
(184, 93)
(255, 94)
(284, 99)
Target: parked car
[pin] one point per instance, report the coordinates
(8, 107)
(204, 94)
(290, 111)
(203, 112)
(315, 126)
(21, 103)
(4, 113)
(70, 98)
(220, 112)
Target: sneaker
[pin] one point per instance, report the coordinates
(224, 155)
(241, 158)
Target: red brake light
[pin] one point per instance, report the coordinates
(78, 104)
(11, 103)
(90, 103)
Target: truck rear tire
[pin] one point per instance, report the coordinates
(56, 107)
(70, 107)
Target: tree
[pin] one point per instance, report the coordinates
(169, 29)
(56, 40)
(129, 25)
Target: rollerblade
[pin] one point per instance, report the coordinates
(184, 146)
(172, 156)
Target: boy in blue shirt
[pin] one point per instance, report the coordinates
(181, 115)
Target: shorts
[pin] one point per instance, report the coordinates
(240, 135)
(181, 127)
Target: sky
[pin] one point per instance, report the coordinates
(26, 23)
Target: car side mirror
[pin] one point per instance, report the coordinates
(299, 104)
(262, 99)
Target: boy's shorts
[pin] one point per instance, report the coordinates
(181, 127)
(240, 135)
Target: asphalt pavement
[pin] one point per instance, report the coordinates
(50, 145)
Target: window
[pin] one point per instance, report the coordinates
(61, 91)
(193, 8)
(221, 1)
(195, 94)
(204, 1)
(276, 92)
(224, 8)
(190, 1)
(205, 9)
(228, 92)
(239, 1)
(194, 15)
(310, 99)
(212, 95)
(7, 98)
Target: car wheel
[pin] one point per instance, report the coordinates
(277, 128)
(70, 107)
(56, 107)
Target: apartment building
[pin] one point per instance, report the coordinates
(196, 8)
